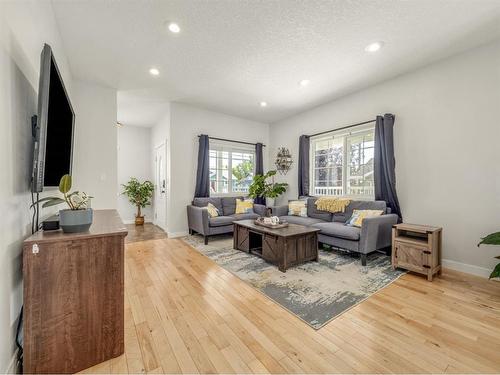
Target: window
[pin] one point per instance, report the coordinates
(231, 169)
(342, 164)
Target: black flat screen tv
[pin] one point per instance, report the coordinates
(54, 130)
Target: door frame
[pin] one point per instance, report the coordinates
(167, 187)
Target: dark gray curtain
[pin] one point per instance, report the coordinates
(303, 172)
(259, 168)
(385, 163)
(202, 188)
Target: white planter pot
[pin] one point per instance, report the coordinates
(270, 202)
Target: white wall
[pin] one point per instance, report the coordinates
(447, 136)
(186, 123)
(94, 156)
(134, 160)
(24, 27)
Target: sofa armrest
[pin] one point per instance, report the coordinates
(376, 232)
(198, 219)
(279, 210)
(260, 209)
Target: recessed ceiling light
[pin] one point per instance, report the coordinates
(154, 71)
(374, 47)
(304, 82)
(173, 27)
(263, 104)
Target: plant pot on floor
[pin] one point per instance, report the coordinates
(270, 202)
(139, 220)
(75, 221)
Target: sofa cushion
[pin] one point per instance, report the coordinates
(297, 208)
(307, 221)
(312, 211)
(359, 205)
(220, 221)
(244, 206)
(339, 230)
(229, 205)
(203, 202)
(248, 216)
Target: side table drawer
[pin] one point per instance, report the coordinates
(411, 257)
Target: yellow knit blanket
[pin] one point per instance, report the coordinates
(332, 204)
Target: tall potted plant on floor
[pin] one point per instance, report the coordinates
(260, 187)
(78, 217)
(139, 194)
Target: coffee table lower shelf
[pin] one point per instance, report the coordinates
(283, 247)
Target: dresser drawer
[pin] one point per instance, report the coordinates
(411, 257)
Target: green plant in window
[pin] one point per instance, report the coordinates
(242, 171)
(492, 239)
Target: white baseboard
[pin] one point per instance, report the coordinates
(176, 234)
(11, 368)
(467, 268)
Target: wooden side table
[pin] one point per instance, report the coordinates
(417, 248)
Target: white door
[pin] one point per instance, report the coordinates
(161, 186)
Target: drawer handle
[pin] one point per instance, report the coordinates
(426, 266)
(427, 252)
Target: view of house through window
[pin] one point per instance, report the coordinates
(342, 164)
(231, 169)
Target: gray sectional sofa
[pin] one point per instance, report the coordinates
(374, 234)
(200, 222)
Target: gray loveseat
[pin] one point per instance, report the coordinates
(374, 234)
(200, 222)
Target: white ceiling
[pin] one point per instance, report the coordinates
(230, 54)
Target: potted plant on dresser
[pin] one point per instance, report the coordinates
(139, 194)
(78, 217)
(268, 190)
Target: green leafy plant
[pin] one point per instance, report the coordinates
(75, 200)
(139, 194)
(492, 239)
(243, 170)
(260, 187)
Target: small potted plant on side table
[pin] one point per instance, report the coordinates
(78, 217)
(139, 194)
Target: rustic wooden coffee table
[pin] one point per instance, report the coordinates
(284, 247)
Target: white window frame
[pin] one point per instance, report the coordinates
(345, 159)
(231, 147)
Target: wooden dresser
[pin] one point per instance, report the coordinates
(74, 297)
(417, 248)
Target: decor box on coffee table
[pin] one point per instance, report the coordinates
(284, 247)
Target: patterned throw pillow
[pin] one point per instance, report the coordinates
(212, 210)
(244, 206)
(358, 215)
(297, 208)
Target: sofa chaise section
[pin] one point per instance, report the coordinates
(374, 234)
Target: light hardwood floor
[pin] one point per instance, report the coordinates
(185, 314)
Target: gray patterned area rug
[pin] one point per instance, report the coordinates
(316, 292)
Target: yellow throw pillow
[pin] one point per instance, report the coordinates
(358, 216)
(244, 206)
(297, 208)
(212, 210)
